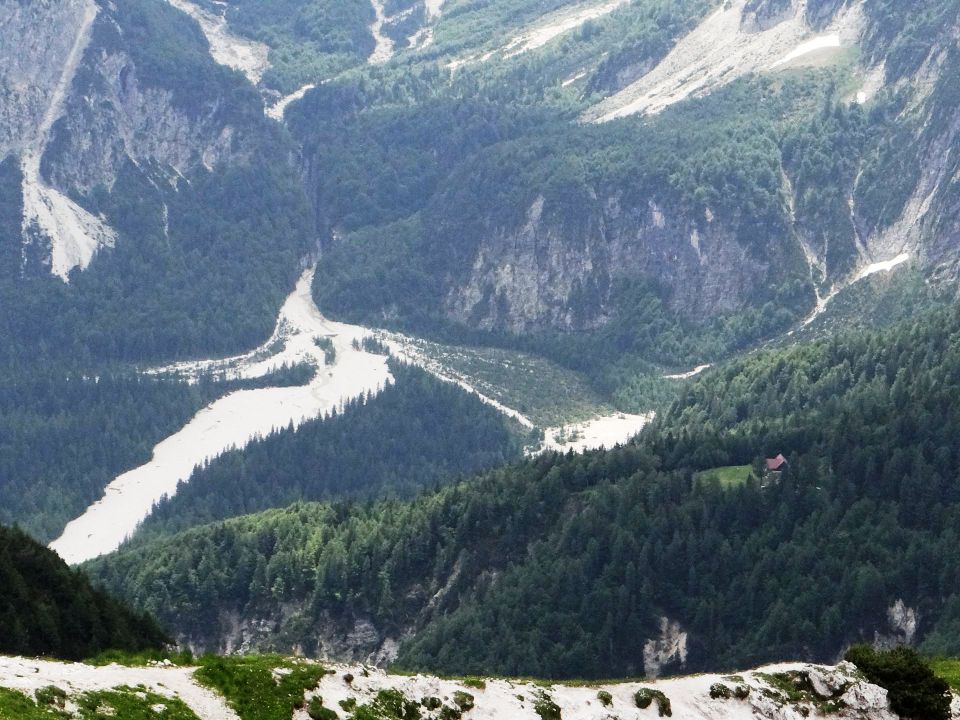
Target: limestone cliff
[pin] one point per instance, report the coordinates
(545, 273)
(83, 98)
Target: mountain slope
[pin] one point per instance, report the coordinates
(134, 126)
(740, 211)
(49, 609)
(626, 560)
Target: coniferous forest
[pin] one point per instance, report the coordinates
(561, 566)
(49, 609)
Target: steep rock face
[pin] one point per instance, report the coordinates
(342, 637)
(57, 232)
(119, 120)
(760, 15)
(545, 273)
(902, 625)
(821, 12)
(668, 650)
(32, 57)
(78, 109)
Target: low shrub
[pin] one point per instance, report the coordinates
(719, 691)
(644, 697)
(463, 700)
(317, 711)
(605, 698)
(545, 707)
(51, 696)
(914, 690)
(431, 703)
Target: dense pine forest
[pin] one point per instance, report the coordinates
(48, 609)
(418, 433)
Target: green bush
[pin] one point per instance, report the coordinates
(463, 700)
(51, 695)
(253, 687)
(431, 703)
(719, 691)
(545, 707)
(644, 697)
(388, 705)
(914, 691)
(475, 682)
(317, 711)
(605, 698)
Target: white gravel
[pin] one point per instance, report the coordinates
(719, 51)
(234, 420)
(504, 699)
(75, 235)
(247, 56)
(607, 431)
(29, 675)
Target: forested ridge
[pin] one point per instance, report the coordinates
(419, 432)
(562, 566)
(48, 609)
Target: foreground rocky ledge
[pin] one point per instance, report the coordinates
(790, 691)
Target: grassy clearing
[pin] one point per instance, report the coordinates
(132, 704)
(949, 670)
(141, 659)
(17, 706)
(262, 687)
(728, 477)
(125, 703)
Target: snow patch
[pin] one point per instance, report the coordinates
(885, 266)
(867, 271)
(718, 52)
(247, 56)
(234, 420)
(277, 110)
(28, 676)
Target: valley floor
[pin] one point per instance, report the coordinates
(304, 336)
